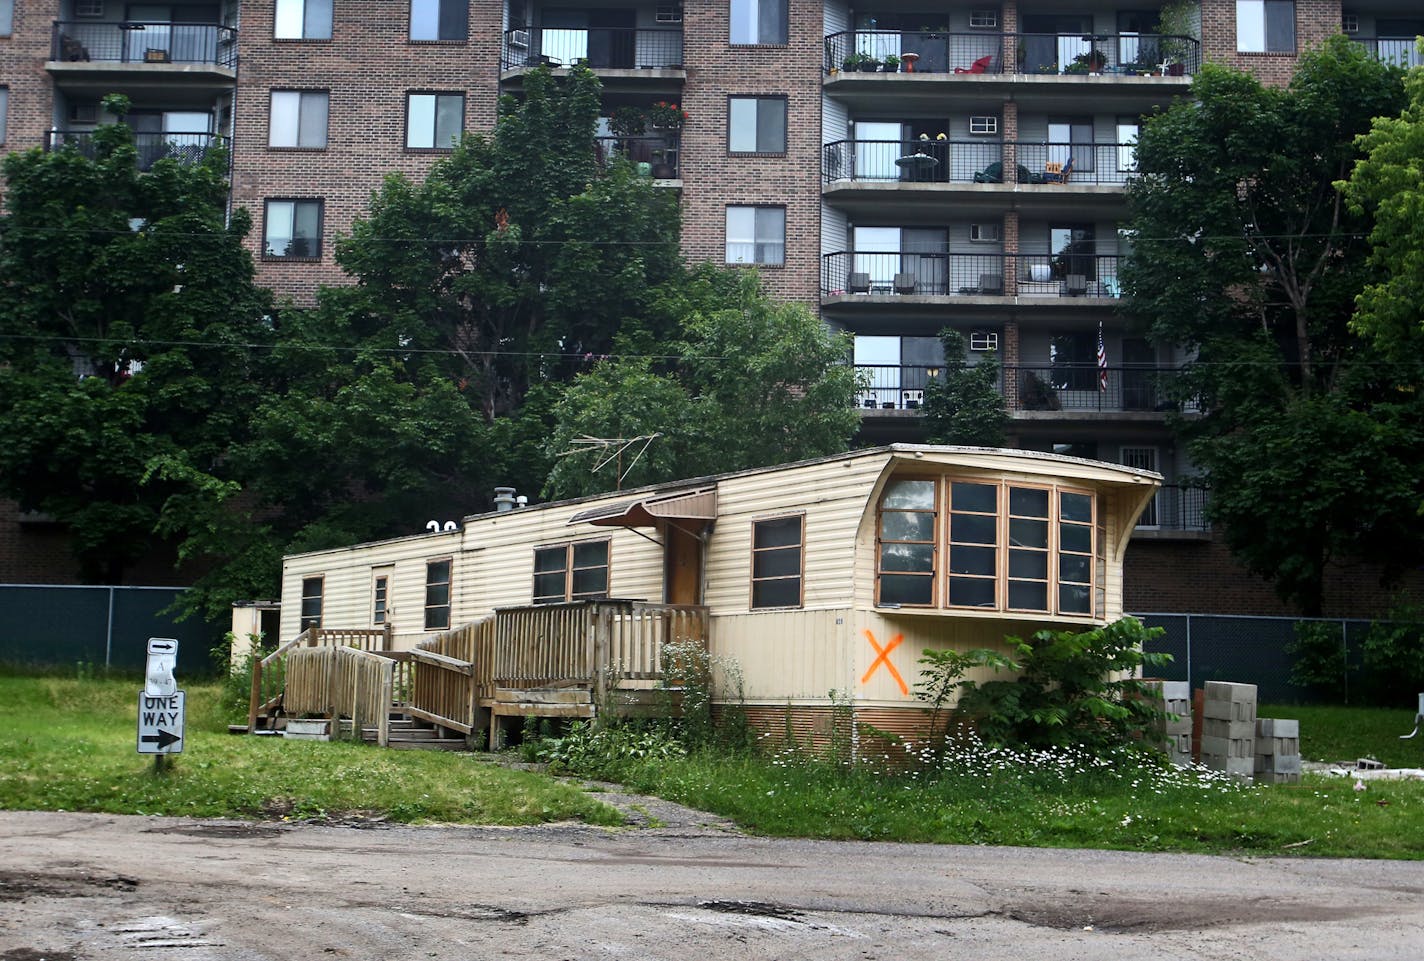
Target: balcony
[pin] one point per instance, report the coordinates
(100, 58)
(602, 48)
(927, 161)
(1068, 388)
(981, 54)
(186, 148)
(655, 156)
(1400, 51)
(881, 277)
(1176, 508)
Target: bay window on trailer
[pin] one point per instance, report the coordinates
(1018, 547)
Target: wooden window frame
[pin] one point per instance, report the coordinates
(569, 549)
(937, 536)
(1003, 516)
(305, 620)
(449, 582)
(381, 596)
(800, 576)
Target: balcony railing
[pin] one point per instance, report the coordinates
(1400, 51)
(976, 161)
(144, 42)
(655, 156)
(938, 273)
(602, 48)
(186, 148)
(1061, 387)
(982, 52)
(1176, 508)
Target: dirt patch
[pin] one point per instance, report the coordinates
(219, 829)
(469, 912)
(23, 885)
(755, 909)
(1070, 913)
(30, 954)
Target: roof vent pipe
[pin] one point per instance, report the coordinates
(504, 499)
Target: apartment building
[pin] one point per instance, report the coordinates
(900, 165)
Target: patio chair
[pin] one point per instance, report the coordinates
(991, 284)
(979, 66)
(859, 283)
(1076, 285)
(1057, 173)
(904, 283)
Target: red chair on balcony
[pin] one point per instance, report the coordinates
(979, 66)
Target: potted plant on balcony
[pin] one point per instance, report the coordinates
(662, 170)
(892, 63)
(1175, 24)
(628, 121)
(666, 116)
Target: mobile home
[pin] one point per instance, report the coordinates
(824, 581)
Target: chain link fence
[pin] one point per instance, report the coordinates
(100, 628)
(1257, 650)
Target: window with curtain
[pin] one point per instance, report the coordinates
(758, 22)
(756, 235)
(292, 229)
(571, 572)
(298, 119)
(302, 20)
(756, 125)
(439, 19)
(434, 121)
(1265, 26)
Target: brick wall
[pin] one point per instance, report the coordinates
(368, 65)
(713, 179)
(1201, 577)
(1314, 21)
(22, 59)
(39, 554)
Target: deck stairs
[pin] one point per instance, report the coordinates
(409, 734)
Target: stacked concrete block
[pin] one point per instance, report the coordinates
(1174, 698)
(1277, 750)
(1229, 728)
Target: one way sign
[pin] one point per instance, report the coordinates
(160, 723)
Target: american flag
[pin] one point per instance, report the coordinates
(1102, 361)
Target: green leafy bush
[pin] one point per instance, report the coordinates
(1319, 652)
(1073, 689)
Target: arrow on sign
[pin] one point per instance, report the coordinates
(162, 739)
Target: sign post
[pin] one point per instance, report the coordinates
(160, 704)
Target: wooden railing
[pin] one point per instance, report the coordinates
(598, 643)
(342, 682)
(269, 673)
(444, 688)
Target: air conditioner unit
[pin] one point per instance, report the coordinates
(84, 113)
(986, 233)
(984, 340)
(519, 38)
(668, 13)
(88, 8)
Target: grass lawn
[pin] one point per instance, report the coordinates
(1045, 800)
(1346, 734)
(69, 745)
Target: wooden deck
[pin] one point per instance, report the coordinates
(582, 659)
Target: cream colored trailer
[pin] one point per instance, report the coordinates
(794, 563)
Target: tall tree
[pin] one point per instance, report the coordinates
(130, 320)
(750, 383)
(1245, 254)
(965, 406)
(1388, 185)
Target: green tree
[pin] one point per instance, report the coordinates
(1246, 256)
(1388, 185)
(131, 327)
(516, 254)
(751, 383)
(965, 406)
